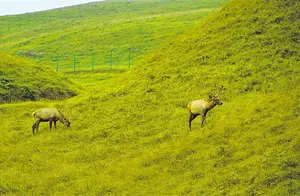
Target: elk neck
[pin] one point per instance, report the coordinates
(210, 105)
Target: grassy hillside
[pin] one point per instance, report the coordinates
(131, 133)
(139, 25)
(22, 80)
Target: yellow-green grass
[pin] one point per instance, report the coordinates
(131, 135)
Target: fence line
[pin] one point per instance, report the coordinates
(91, 62)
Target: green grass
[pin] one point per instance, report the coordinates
(130, 135)
(141, 26)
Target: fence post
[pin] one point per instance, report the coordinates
(129, 58)
(74, 64)
(57, 60)
(110, 68)
(93, 61)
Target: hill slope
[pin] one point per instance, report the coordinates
(252, 49)
(250, 144)
(22, 80)
(131, 136)
(99, 27)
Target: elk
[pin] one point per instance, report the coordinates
(51, 115)
(201, 107)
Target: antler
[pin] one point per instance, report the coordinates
(73, 119)
(221, 88)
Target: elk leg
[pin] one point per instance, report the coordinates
(50, 123)
(36, 126)
(192, 117)
(203, 120)
(33, 128)
(55, 124)
(203, 117)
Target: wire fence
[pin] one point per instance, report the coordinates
(114, 59)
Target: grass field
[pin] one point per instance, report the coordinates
(140, 26)
(130, 132)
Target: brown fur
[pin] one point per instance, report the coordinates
(49, 115)
(201, 107)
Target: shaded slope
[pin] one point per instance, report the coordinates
(22, 80)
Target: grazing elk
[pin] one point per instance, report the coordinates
(201, 107)
(51, 115)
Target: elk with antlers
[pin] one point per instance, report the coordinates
(51, 115)
(201, 107)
